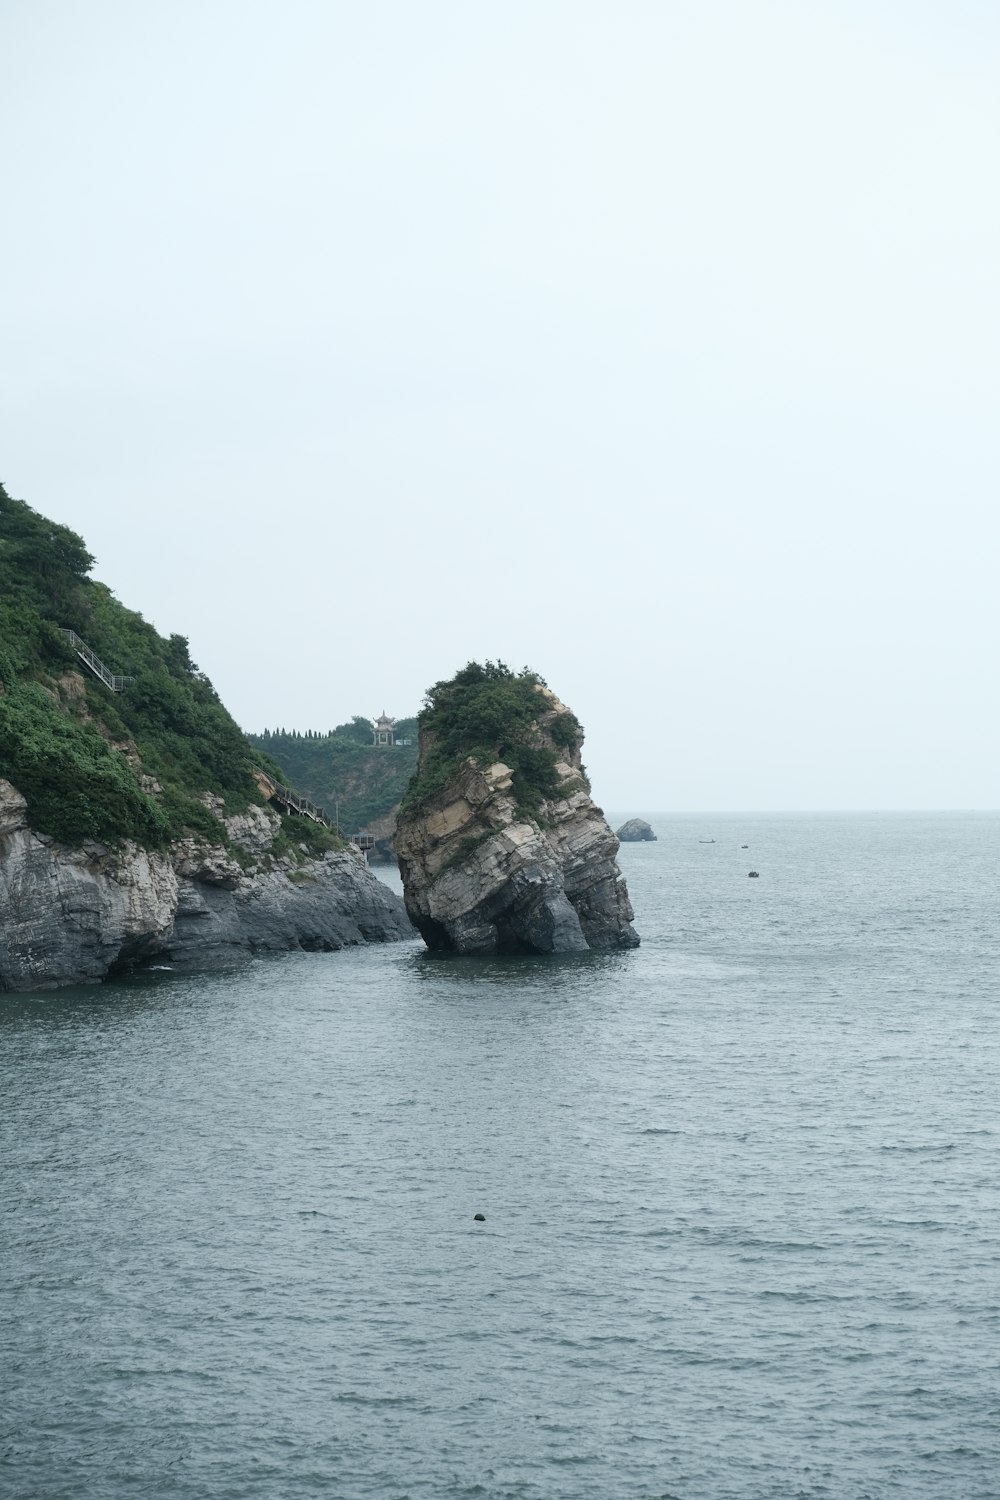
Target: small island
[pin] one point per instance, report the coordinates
(636, 831)
(500, 846)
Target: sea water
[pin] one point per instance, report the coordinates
(741, 1231)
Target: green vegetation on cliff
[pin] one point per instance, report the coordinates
(490, 712)
(77, 751)
(343, 771)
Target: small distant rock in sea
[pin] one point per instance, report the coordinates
(635, 831)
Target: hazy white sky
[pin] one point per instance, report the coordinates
(654, 345)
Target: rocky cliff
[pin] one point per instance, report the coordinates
(499, 843)
(75, 915)
(136, 821)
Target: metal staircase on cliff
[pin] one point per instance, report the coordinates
(291, 801)
(283, 795)
(90, 659)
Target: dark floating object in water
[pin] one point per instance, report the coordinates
(744, 846)
(479, 1218)
(706, 841)
(753, 875)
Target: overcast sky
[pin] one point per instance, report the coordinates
(654, 345)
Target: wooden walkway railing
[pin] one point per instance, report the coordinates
(90, 659)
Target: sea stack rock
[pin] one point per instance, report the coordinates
(500, 846)
(635, 831)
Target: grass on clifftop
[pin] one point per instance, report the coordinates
(489, 712)
(77, 752)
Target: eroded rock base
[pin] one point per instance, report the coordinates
(73, 916)
(479, 877)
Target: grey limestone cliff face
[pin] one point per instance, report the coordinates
(70, 916)
(480, 876)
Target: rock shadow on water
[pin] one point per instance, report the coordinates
(518, 971)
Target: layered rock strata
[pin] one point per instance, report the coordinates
(72, 916)
(481, 875)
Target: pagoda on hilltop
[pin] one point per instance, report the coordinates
(384, 730)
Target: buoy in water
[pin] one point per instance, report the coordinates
(752, 875)
(479, 1218)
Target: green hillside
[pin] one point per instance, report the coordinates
(343, 771)
(95, 764)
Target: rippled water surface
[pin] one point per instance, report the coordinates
(740, 1187)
